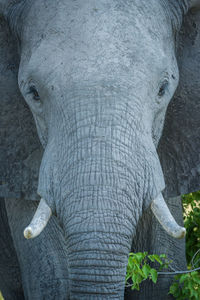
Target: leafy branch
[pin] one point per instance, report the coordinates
(139, 268)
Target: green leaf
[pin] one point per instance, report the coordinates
(146, 270)
(127, 277)
(196, 279)
(183, 278)
(140, 256)
(130, 263)
(163, 256)
(135, 287)
(151, 258)
(154, 275)
(173, 288)
(157, 258)
(194, 293)
(134, 278)
(141, 273)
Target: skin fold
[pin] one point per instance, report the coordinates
(98, 77)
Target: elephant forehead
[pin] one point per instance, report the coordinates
(96, 35)
(82, 11)
(77, 25)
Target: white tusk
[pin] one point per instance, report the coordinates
(163, 215)
(39, 221)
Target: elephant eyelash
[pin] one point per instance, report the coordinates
(163, 88)
(34, 92)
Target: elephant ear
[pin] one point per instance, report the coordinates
(179, 147)
(20, 149)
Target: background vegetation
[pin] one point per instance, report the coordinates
(191, 204)
(187, 285)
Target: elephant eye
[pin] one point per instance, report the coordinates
(34, 92)
(163, 88)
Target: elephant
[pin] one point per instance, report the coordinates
(92, 139)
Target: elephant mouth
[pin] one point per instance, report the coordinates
(158, 207)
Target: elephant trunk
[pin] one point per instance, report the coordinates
(98, 242)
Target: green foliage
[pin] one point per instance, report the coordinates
(139, 268)
(191, 204)
(1, 297)
(186, 286)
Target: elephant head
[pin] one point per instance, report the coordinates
(98, 77)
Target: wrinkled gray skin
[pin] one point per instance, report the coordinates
(98, 77)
